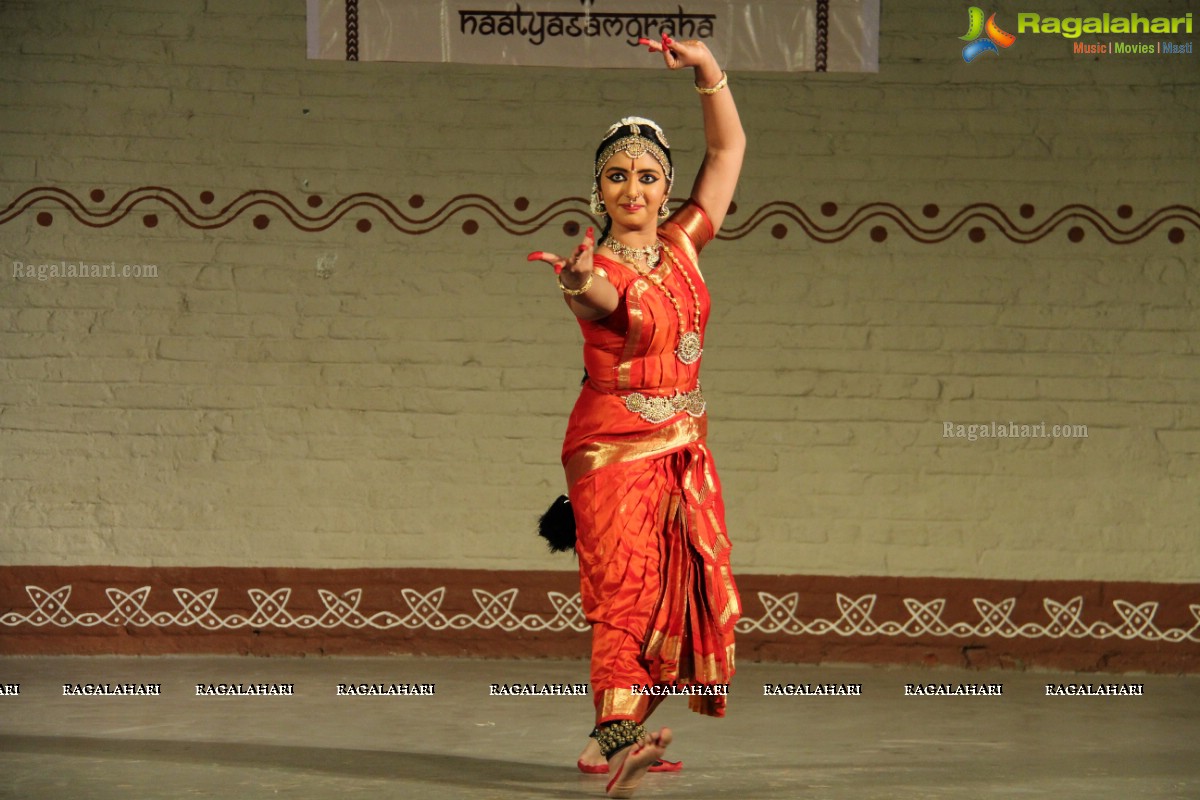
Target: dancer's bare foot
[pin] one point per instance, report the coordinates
(591, 762)
(591, 759)
(628, 766)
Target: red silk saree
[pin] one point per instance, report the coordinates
(655, 575)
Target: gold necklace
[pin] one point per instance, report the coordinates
(689, 348)
(629, 255)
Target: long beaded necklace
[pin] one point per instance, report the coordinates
(689, 348)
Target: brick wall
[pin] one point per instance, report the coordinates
(396, 396)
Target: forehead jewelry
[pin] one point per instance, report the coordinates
(637, 144)
(635, 125)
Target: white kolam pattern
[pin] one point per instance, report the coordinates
(496, 611)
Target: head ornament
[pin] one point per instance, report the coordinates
(635, 137)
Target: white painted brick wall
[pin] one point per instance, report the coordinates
(408, 410)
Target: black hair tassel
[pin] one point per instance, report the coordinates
(557, 526)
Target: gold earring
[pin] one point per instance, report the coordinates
(596, 205)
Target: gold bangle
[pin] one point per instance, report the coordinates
(576, 292)
(721, 84)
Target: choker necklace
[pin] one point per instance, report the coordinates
(649, 253)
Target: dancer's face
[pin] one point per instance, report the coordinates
(633, 189)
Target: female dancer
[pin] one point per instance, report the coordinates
(653, 553)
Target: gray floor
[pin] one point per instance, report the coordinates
(463, 743)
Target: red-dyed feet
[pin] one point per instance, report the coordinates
(662, 765)
(636, 764)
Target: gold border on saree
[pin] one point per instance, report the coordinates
(660, 409)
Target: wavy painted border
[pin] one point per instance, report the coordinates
(827, 224)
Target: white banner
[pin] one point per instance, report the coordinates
(760, 35)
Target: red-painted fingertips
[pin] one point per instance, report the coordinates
(558, 267)
(590, 235)
(536, 255)
(642, 40)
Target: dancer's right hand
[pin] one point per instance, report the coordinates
(577, 271)
(573, 271)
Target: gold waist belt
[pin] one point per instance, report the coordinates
(658, 409)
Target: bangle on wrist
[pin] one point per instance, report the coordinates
(721, 84)
(576, 292)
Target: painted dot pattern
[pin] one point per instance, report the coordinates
(878, 220)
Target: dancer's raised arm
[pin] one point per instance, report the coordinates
(724, 139)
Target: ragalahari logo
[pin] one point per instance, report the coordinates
(983, 37)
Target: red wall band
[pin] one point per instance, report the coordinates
(1068, 625)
